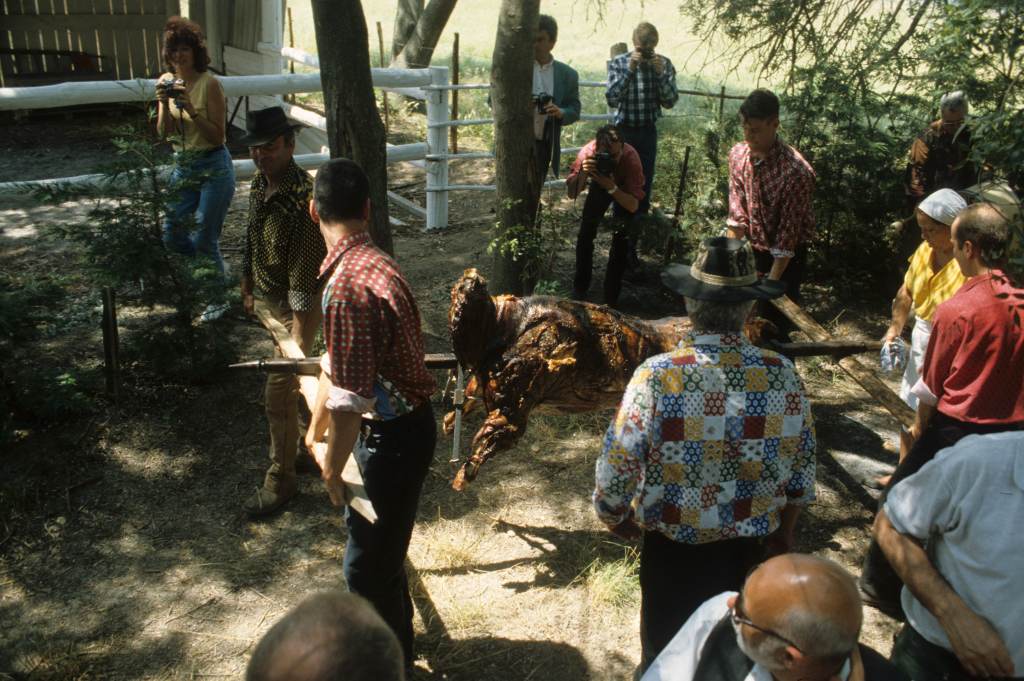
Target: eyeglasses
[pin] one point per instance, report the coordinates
(738, 618)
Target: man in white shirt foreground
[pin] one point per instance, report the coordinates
(961, 595)
(797, 618)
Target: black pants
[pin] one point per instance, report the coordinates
(542, 155)
(394, 467)
(643, 138)
(922, 660)
(793, 278)
(593, 211)
(675, 579)
(877, 576)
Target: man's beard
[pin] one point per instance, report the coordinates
(759, 657)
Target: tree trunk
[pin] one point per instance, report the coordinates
(419, 49)
(354, 127)
(407, 13)
(518, 186)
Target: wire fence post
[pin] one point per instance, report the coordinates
(384, 93)
(721, 106)
(455, 95)
(437, 145)
(111, 361)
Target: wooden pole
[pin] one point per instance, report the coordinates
(455, 95)
(721, 106)
(857, 371)
(351, 475)
(291, 43)
(111, 361)
(380, 46)
(670, 244)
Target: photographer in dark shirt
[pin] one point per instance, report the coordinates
(612, 170)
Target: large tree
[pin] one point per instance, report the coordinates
(518, 187)
(354, 127)
(417, 30)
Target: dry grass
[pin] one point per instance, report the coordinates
(614, 584)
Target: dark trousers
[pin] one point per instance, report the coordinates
(675, 579)
(542, 154)
(793, 278)
(643, 138)
(593, 211)
(394, 466)
(922, 660)
(877, 576)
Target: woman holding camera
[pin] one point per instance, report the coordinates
(191, 112)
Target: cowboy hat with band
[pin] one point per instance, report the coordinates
(723, 271)
(266, 125)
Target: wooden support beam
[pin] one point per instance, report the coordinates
(351, 476)
(857, 371)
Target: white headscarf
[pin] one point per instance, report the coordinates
(943, 206)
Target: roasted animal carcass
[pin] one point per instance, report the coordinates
(543, 351)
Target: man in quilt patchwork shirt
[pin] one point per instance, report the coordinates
(711, 454)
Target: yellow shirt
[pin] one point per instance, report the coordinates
(929, 288)
(199, 93)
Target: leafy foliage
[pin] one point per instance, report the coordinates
(858, 80)
(120, 244)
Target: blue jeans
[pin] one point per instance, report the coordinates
(208, 202)
(397, 458)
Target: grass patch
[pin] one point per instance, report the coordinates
(614, 584)
(451, 544)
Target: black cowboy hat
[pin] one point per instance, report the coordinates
(724, 271)
(266, 125)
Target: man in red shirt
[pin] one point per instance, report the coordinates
(620, 184)
(973, 372)
(771, 188)
(379, 392)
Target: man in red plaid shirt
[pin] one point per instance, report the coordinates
(770, 194)
(378, 391)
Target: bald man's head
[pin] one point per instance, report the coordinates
(330, 636)
(809, 600)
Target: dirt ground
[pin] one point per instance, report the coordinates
(124, 552)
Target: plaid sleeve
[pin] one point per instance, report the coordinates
(351, 328)
(305, 253)
(668, 93)
(618, 78)
(739, 215)
(626, 444)
(796, 214)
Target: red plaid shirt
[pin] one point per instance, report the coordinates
(372, 328)
(771, 200)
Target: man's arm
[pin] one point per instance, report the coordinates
(668, 92)
(619, 75)
(341, 438)
(796, 220)
(779, 265)
(975, 642)
(738, 221)
(571, 101)
(607, 183)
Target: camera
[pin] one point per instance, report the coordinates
(542, 100)
(646, 53)
(173, 88)
(605, 163)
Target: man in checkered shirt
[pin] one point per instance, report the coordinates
(375, 387)
(640, 84)
(711, 454)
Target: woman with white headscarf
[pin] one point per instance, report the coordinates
(932, 278)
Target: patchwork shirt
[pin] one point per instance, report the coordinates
(772, 198)
(372, 332)
(638, 96)
(283, 246)
(710, 442)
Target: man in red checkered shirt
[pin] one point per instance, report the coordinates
(379, 391)
(770, 194)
